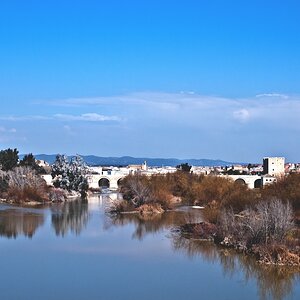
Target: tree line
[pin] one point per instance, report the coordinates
(21, 181)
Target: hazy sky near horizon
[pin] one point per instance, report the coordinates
(185, 79)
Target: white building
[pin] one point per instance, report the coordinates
(267, 179)
(273, 166)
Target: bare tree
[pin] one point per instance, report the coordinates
(25, 185)
(140, 192)
(22, 177)
(269, 221)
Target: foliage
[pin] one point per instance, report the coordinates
(184, 167)
(139, 190)
(212, 211)
(216, 193)
(59, 170)
(190, 188)
(30, 161)
(184, 185)
(57, 195)
(70, 175)
(136, 189)
(9, 159)
(286, 188)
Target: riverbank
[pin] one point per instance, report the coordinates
(269, 254)
(146, 209)
(54, 195)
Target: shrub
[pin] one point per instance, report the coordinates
(118, 206)
(57, 195)
(25, 185)
(190, 188)
(286, 188)
(212, 211)
(267, 222)
(140, 190)
(8, 159)
(70, 175)
(136, 189)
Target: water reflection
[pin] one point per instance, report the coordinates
(15, 222)
(66, 217)
(154, 223)
(269, 281)
(273, 282)
(70, 216)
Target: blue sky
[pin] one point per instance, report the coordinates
(186, 79)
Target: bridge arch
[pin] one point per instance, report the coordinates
(257, 183)
(119, 181)
(240, 181)
(104, 182)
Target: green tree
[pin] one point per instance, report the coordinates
(30, 161)
(70, 175)
(9, 159)
(184, 167)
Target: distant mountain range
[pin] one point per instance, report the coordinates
(93, 160)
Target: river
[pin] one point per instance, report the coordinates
(76, 251)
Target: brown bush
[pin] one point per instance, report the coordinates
(118, 206)
(184, 185)
(267, 222)
(213, 188)
(150, 209)
(192, 189)
(57, 195)
(276, 254)
(212, 212)
(136, 189)
(27, 194)
(25, 185)
(216, 193)
(160, 191)
(239, 197)
(139, 190)
(286, 188)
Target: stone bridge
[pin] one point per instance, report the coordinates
(253, 181)
(105, 181)
(96, 181)
(112, 180)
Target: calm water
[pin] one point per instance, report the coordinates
(74, 251)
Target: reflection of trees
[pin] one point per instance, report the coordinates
(273, 282)
(14, 222)
(69, 216)
(153, 223)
